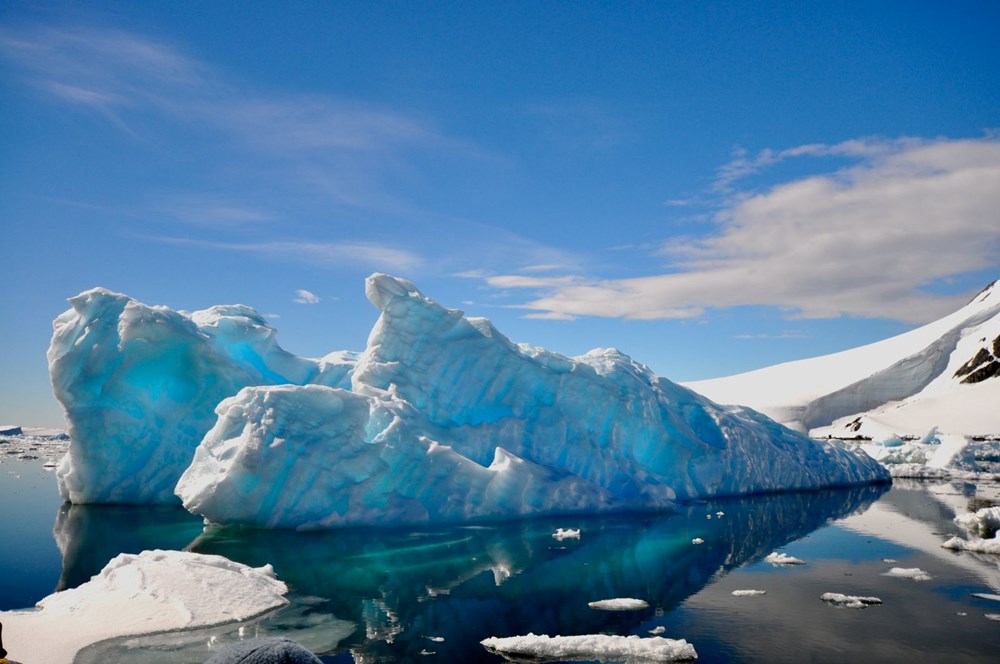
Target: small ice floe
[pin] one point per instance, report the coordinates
(849, 601)
(889, 561)
(566, 533)
(995, 598)
(153, 591)
(593, 646)
(697, 540)
(720, 514)
(992, 616)
(974, 545)
(777, 559)
(914, 573)
(659, 629)
(961, 613)
(748, 593)
(426, 652)
(619, 604)
(435, 639)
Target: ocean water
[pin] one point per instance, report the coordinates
(431, 594)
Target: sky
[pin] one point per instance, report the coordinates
(710, 187)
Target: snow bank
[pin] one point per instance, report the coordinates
(914, 573)
(619, 604)
(849, 601)
(592, 646)
(139, 386)
(777, 559)
(154, 591)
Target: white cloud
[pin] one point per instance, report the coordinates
(860, 241)
(369, 255)
(302, 296)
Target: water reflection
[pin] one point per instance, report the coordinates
(407, 589)
(88, 536)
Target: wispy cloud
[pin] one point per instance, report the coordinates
(302, 296)
(346, 150)
(860, 241)
(368, 255)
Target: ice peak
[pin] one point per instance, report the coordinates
(382, 289)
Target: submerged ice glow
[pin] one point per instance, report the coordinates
(445, 419)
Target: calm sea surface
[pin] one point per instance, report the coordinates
(431, 594)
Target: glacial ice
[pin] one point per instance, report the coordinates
(139, 386)
(442, 418)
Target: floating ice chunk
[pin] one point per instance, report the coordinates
(720, 514)
(592, 646)
(435, 639)
(619, 604)
(697, 540)
(974, 545)
(889, 560)
(777, 559)
(659, 629)
(992, 616)
(983, 523)
(914, 573)
(849, 601)
(154, 591)
(748, 593)
(708, 516)
(989, 596)
(567, 533)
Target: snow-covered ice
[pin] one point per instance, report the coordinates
(448, 420)
(593, 646)
(566, 533)
(914, 573)
(697, 540)
(619, 604)
(849, 601)
(659, 629)
(991, 546)
(989, 596)
(777, 559)
(983, 527)
(154, 591)
(748, 593)
(982, 523)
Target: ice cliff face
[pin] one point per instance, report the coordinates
(446, 419)
(140, 384)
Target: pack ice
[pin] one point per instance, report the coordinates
(444, 419)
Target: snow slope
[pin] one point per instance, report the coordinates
(944, 374)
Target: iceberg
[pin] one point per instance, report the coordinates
(448, 420)
(139, 386)
(440, 419)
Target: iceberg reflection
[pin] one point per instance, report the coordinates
(444, 589)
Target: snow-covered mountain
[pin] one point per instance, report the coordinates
(945, 374)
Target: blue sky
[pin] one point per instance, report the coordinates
(710, 187)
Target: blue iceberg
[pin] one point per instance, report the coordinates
(440, 419)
